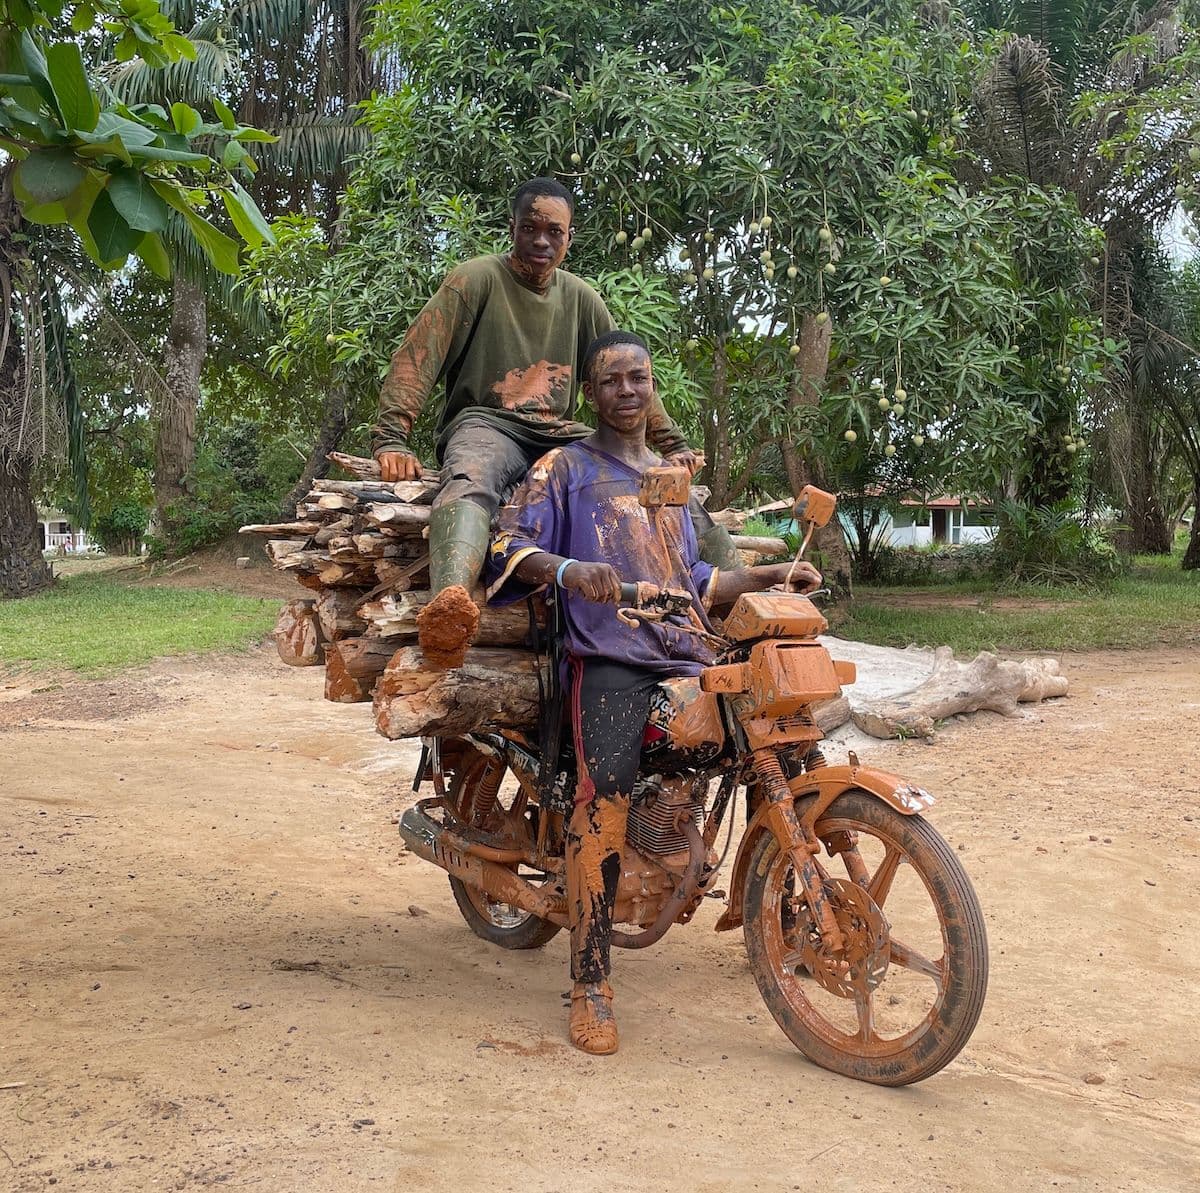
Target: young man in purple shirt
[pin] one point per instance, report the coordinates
(576, 522)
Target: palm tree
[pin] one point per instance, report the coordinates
(297, 69)
(1080, 97)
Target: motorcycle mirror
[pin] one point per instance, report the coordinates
(664, 485)
(814, 506)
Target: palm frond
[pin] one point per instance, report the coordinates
(1019, 100)
(216, 71)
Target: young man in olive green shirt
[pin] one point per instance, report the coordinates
(507, 334)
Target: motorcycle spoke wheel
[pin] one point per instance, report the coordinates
(900, 1000)
(498, 923)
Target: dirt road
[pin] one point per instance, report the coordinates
(216, 968)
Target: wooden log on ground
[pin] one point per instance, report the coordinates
(986, 682)
(395, 616)
(493, 687)
(298, 638)
(401, 576)
(832, 714)
(352, 667)
(337, 612)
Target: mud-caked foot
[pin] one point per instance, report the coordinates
(447, 626)
(593, 1027)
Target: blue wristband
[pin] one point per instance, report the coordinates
(562, 567)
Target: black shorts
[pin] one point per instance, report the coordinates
(610, 703)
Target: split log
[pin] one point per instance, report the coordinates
(493, 687)
(337, 612)
(366, 469)
(400, 577)
(333, 501)
(289, 553)
(760, 544)
(986, 682)
(352, 667)
(331, 530)
(298, 638)
(395, 616)
(417, 492)
(410, 519)
(346, 575)
(281, 529)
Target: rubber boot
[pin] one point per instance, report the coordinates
(595, 836)
(459, 532)
(716, 547)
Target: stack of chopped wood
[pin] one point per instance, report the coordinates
(360, 546)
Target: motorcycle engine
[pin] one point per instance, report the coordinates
(656, 850)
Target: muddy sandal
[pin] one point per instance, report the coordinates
(593, 1028)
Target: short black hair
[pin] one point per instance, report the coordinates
(530, 190)
(610, 339)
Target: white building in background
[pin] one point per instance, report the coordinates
(938, 520)
(59, 536)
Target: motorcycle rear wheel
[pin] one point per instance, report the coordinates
(839, 1012)
(498, 923)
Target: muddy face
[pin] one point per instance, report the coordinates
(621, 386)
(541, 232)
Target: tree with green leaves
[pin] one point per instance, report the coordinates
(1101, 101)
(770, 188)
(299, 71)
(86, 171)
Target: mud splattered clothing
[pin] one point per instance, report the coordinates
(509, 354)
(582, 503)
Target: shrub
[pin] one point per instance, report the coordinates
(1051, 546)
(121, 528)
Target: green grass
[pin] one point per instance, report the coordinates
(99, 624)
(1155, 604)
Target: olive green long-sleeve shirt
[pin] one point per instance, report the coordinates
(508, 353)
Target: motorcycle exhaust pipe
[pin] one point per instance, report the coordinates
(425, 837)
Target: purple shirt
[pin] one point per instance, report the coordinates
(581, 502)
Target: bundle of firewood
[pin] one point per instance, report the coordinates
(360, 547)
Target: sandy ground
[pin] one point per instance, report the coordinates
(217, 968)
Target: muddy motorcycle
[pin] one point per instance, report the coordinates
(863, 932)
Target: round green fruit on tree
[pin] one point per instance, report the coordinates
(647, 233)
(825, 234)
(621, 237)
(900, 393)
(692, 344)
(754, 228)
(769, 274)
(1095, 260)
(884, 404)
(792, 271)
(685, 254)
(709, 237)
(794, 350)
(1194, 153)
(1071, 449)
(637, 269)
(918, 440)
(331, 339)
(850, 436)
(822, 318)
(709, 273)
(766, 221)
(897, 409)
(576, 158)
(765, 256)
(637, 243)
(884, 280)
(890, 450)
(830, 268)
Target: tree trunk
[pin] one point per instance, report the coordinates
(1191, 557)
(831, 555)
(175, 438)
(23, 571)
(720, 451)
(334, 421)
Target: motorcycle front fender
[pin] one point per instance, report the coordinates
(826, 784)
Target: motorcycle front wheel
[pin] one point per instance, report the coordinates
(903, 996)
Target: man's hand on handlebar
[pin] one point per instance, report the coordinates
(594, 582)
(693, 461)
(399, 466)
